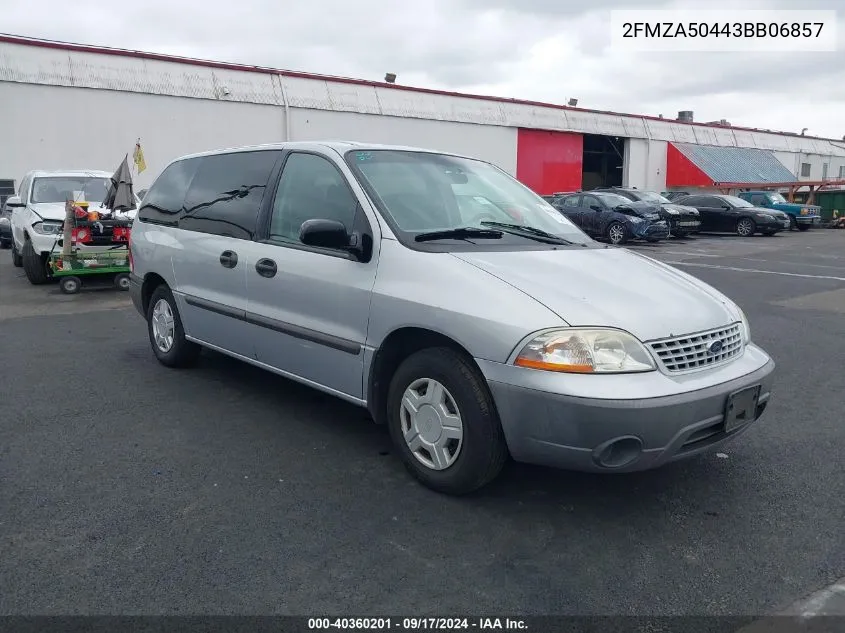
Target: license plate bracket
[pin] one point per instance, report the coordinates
(741, 408)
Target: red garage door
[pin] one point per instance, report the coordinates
(549, 162)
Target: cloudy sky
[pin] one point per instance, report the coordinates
(544, 50)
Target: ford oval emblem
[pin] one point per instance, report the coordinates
(715, 348)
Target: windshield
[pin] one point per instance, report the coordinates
(420, 192)
(611, 199)
(737, 202)
(60, 188)
(650, 196)
(776, 198)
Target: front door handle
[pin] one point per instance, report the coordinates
(228, 259)
(266, 267)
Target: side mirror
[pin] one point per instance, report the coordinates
(332, 234)
(727, 207)
(14, 202)
(324, 234)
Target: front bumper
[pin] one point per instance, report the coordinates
(682, 225)
(566, 421)
(813, 220)
(651, 230)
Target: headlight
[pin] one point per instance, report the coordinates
(586, 351)
(47, 228)
(746, 327)
(635, 218)
(4, 221)
(671, 211)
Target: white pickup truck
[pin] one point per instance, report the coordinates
(38, 213)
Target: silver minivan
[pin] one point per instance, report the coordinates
(460, 308)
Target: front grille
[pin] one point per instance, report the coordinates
(697, 351)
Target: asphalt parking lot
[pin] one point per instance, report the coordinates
(127, 488)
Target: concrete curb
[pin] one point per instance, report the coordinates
(822, 611)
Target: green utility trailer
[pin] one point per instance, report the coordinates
(71, 269)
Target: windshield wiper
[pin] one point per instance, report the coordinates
(532, 232)
(461, 233)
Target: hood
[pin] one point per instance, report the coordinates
(769, 211)
(50, 210)
(611, 287)
(56, 210)
(643, 208)
(682, 209)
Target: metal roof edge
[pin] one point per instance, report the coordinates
(104, 50)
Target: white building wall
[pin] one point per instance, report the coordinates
(645, 164)
(50, 127)
(493, 143)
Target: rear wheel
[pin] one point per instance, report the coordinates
(34, 265)
(616, 233)
(17, 260)
(443, 422)
(746, 227)
(167, 336)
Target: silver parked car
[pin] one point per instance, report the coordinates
(460, 308)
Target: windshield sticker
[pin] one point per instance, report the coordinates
(362, 156)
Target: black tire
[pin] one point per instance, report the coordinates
(769, 233)
(34, 265)
(17, 260)
(182, 353)
(70, 285)
(793, 223)
(4, 244)
(121, 281)
(483, 451)
(745, 227)
(613, 230)
(803, 227)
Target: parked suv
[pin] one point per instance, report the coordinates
(5, 225)
(454, 303)
(38, 214)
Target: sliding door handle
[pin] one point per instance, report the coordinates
(266, 267)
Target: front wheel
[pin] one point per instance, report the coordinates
(167, 336)
(746, 227)
(122, 282)
(803, 227)
(34, 265)
(70, 285)
(616, 233)
(443, 422)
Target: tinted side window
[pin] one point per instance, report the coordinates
(163, 202)
(572, 202)
(311, 187)
(226, 193)
(589, 201)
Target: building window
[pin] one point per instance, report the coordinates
(824, 171)
(805, 170)
(842, 171)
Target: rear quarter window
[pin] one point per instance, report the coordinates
(163, 203)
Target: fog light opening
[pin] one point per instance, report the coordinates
(619, 452)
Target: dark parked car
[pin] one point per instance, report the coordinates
(5, 226)
(674, 195)
(729, 214)
(611, 216)
(682, 220)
